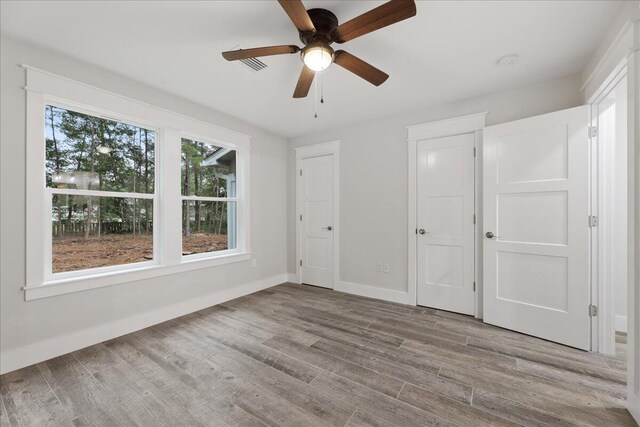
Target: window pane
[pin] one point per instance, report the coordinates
(90, 232)
(208, 226)
(207, 170)
(92, 153)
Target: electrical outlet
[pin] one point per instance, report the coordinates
(379, 267)
(254, 262)
(386, 268)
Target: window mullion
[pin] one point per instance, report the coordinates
(170, 201)
(209, 199)
(101, 193)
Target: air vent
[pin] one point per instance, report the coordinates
(254, 63)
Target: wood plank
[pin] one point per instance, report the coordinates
(399, 355)
(374, 380)
(453, 410)
(412, 331)
(405, 373)
(274, 410)
(29, 400)
(296, 392)
(516, 412)
(81, 395)
(458, 354)
(234, 339)
(577, 406)
(361, 418)
(178, 385)
(551, 360)
(391, 410)
(573, 380)
(141, 399)
(4, 417)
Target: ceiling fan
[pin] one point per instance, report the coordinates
(318, 29)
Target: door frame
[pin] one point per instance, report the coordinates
(628, 47)
(602, 325)
(472, 123)
(306, 152)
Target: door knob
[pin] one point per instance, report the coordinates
(490, 235)
(328, 228)
(422, 231)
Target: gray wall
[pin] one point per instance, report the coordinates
(33, 325)
(373, 176)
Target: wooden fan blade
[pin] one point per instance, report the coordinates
(360, 68)
(234, 55)
(298, 14)
(380, 17)
(304, 82)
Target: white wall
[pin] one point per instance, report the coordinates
(36, 330)
(373, 176)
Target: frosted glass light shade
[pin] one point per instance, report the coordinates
(318, 58)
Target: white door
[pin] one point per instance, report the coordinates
(317, 221)
(445, 223)
(536, 247)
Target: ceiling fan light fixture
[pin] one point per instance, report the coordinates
(317, 57)
(103, 149)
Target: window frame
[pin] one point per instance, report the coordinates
(44, 88)
(49, 275)
(239, 206)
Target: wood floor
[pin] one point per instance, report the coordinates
(303, 356)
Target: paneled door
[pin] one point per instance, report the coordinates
(445, 212)
(316, 265)
(536, 225)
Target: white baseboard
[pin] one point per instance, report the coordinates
(621, 324)
(292, 277)
(40, 351)
(374, 292)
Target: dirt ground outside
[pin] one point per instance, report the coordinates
(71, 253)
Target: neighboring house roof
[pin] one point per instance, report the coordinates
(224, 156)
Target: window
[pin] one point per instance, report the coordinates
(119, 191)
(208, 183)
(100, 176)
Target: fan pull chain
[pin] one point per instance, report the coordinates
(315, 97)
(321, 89)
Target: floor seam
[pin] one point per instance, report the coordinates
(354, 412)
(401, 388)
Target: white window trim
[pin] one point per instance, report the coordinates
(43, 88)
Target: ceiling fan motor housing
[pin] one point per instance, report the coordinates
(325, 23)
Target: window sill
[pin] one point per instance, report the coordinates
(100, 280)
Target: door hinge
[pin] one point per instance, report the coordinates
(593, 310)
(300, 217)
(593, 221)
(474, 286)
(593, 131)
(474, 151)
(300, 172)
(474, 218)
(300, 263)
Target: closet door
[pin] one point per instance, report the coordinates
(445, 214)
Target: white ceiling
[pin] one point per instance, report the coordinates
(447, 52)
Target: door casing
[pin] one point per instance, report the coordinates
(473, 123)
